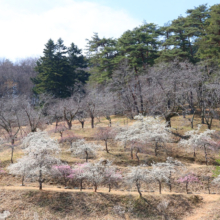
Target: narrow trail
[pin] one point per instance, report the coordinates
(205, 209)
(207, 197)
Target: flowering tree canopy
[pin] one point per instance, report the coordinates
(62, 171)
(171, 166)
(21, 168)
(40, 151)
(200, 140)
(188, 178)
(136, 176)
(83, 148)
(146, 129)
(159, 174)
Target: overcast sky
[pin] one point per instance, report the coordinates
(26, 25)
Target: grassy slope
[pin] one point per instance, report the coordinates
(100, 206)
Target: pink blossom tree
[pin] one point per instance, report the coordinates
(112, 177)
(187, 179)
(105, 134)
(79, 172)
(60, 129)
(62, 171)
(69, 138)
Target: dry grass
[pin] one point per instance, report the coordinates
(87, 205)
(63, 205)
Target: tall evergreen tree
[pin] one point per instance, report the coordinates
(209, 44)
(57, 73)
(101, 53)
(139, 46)
(182, 34)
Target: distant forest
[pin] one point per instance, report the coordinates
(152, 70)
(194, 38)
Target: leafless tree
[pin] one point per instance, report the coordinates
(92, 101)
(11, 117)
(105, 134)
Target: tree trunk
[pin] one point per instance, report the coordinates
(40, 180)
(170, 185)
(210, 124)
(186, 187)
(138, 188)
(159, 187)
(81, 182)
(12, 153)
(203, 114)
(168, 122)
(156, 148)
(22, 181)
(209, 184)
(110, 122)
(87, 156)
(69, 123)
(95, 188)
(131, 152)
(137, 156)
(92, 122)
(194, 153)
(82, 123)
(57, 121)
(109, 187)
(106, 146)
(192, 119)
(206, 158)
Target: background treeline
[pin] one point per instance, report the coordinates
(152, 70)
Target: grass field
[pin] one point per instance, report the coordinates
(123, 203)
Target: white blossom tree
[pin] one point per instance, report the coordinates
(159, 174)
(200, 140)
(105, 134)
(112, 176)
(84, 149)
(96, 173)
(137, 176)
(79, 173)
(146, 129)
(40, 155)
(21, 168)
(171, 167)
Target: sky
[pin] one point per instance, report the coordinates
(27, 25)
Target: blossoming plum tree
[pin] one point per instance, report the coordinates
(40, 155)
(62, 171)
(85, 149)
(200, 140)
(187, 179)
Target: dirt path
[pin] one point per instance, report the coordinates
(100, 190)
(206, 210)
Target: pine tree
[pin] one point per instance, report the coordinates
(209, 45)
(182, 34)
(139, 46)
(101, 53)
(57, 70)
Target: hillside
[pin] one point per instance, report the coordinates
(123, 202)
